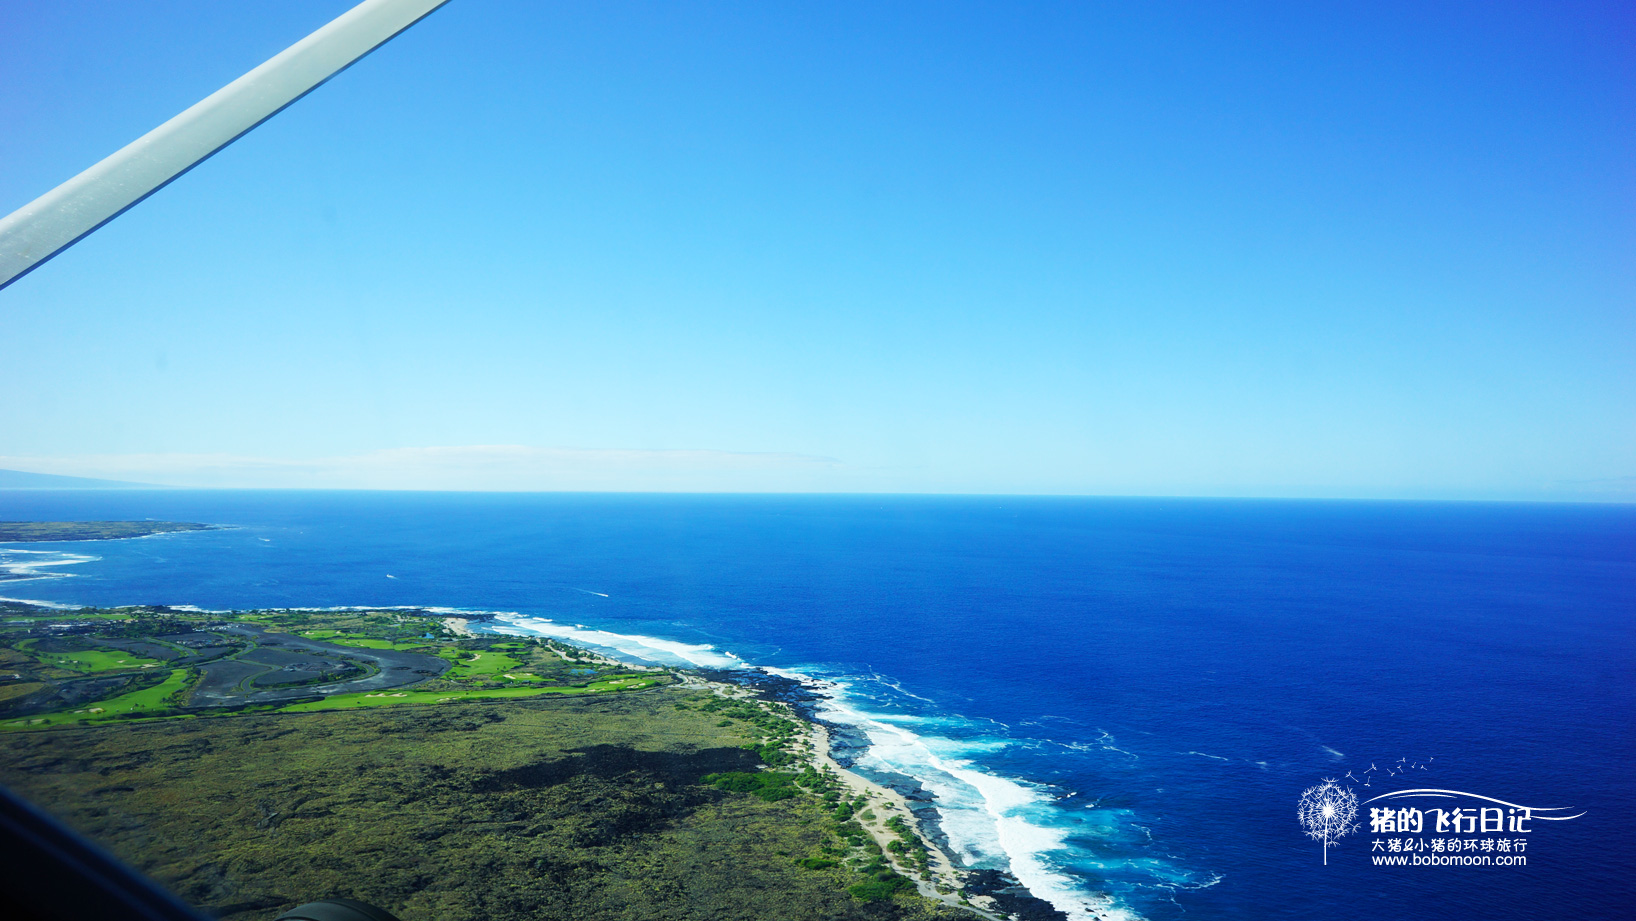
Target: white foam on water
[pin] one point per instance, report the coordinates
(53, 605)
(23, 565)
(1103, 742)
(649, 648)
(451, 612)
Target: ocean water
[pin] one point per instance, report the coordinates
(1118, 701)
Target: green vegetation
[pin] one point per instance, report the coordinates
(150, 702)
(16, 690)
(88, 659)
(480, 664)
(544, 808)
(908, 844)
(777, 726)
(366, 642)
(770, 786)
(49, 654)
(874, 880)
(11, 531)
(393, 697)
(881, 883)
(519, 781)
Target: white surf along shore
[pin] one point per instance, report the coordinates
(982, 821)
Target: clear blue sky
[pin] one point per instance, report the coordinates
(1377, 249)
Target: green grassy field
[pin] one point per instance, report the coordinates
(136, 701)
(89, 660)
(485, 664)
(363, 642)
(394, 698)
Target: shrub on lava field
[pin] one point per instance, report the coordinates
(770, 786)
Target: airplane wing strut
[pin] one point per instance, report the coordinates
(61, 217)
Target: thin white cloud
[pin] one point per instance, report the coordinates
(472, 467)
(517, 468)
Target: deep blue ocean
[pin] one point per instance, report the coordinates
(1106, 696)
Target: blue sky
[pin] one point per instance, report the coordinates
(1369, 250)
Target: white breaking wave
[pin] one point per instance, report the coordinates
(649, 648)
(22, 565)
(53, 605)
